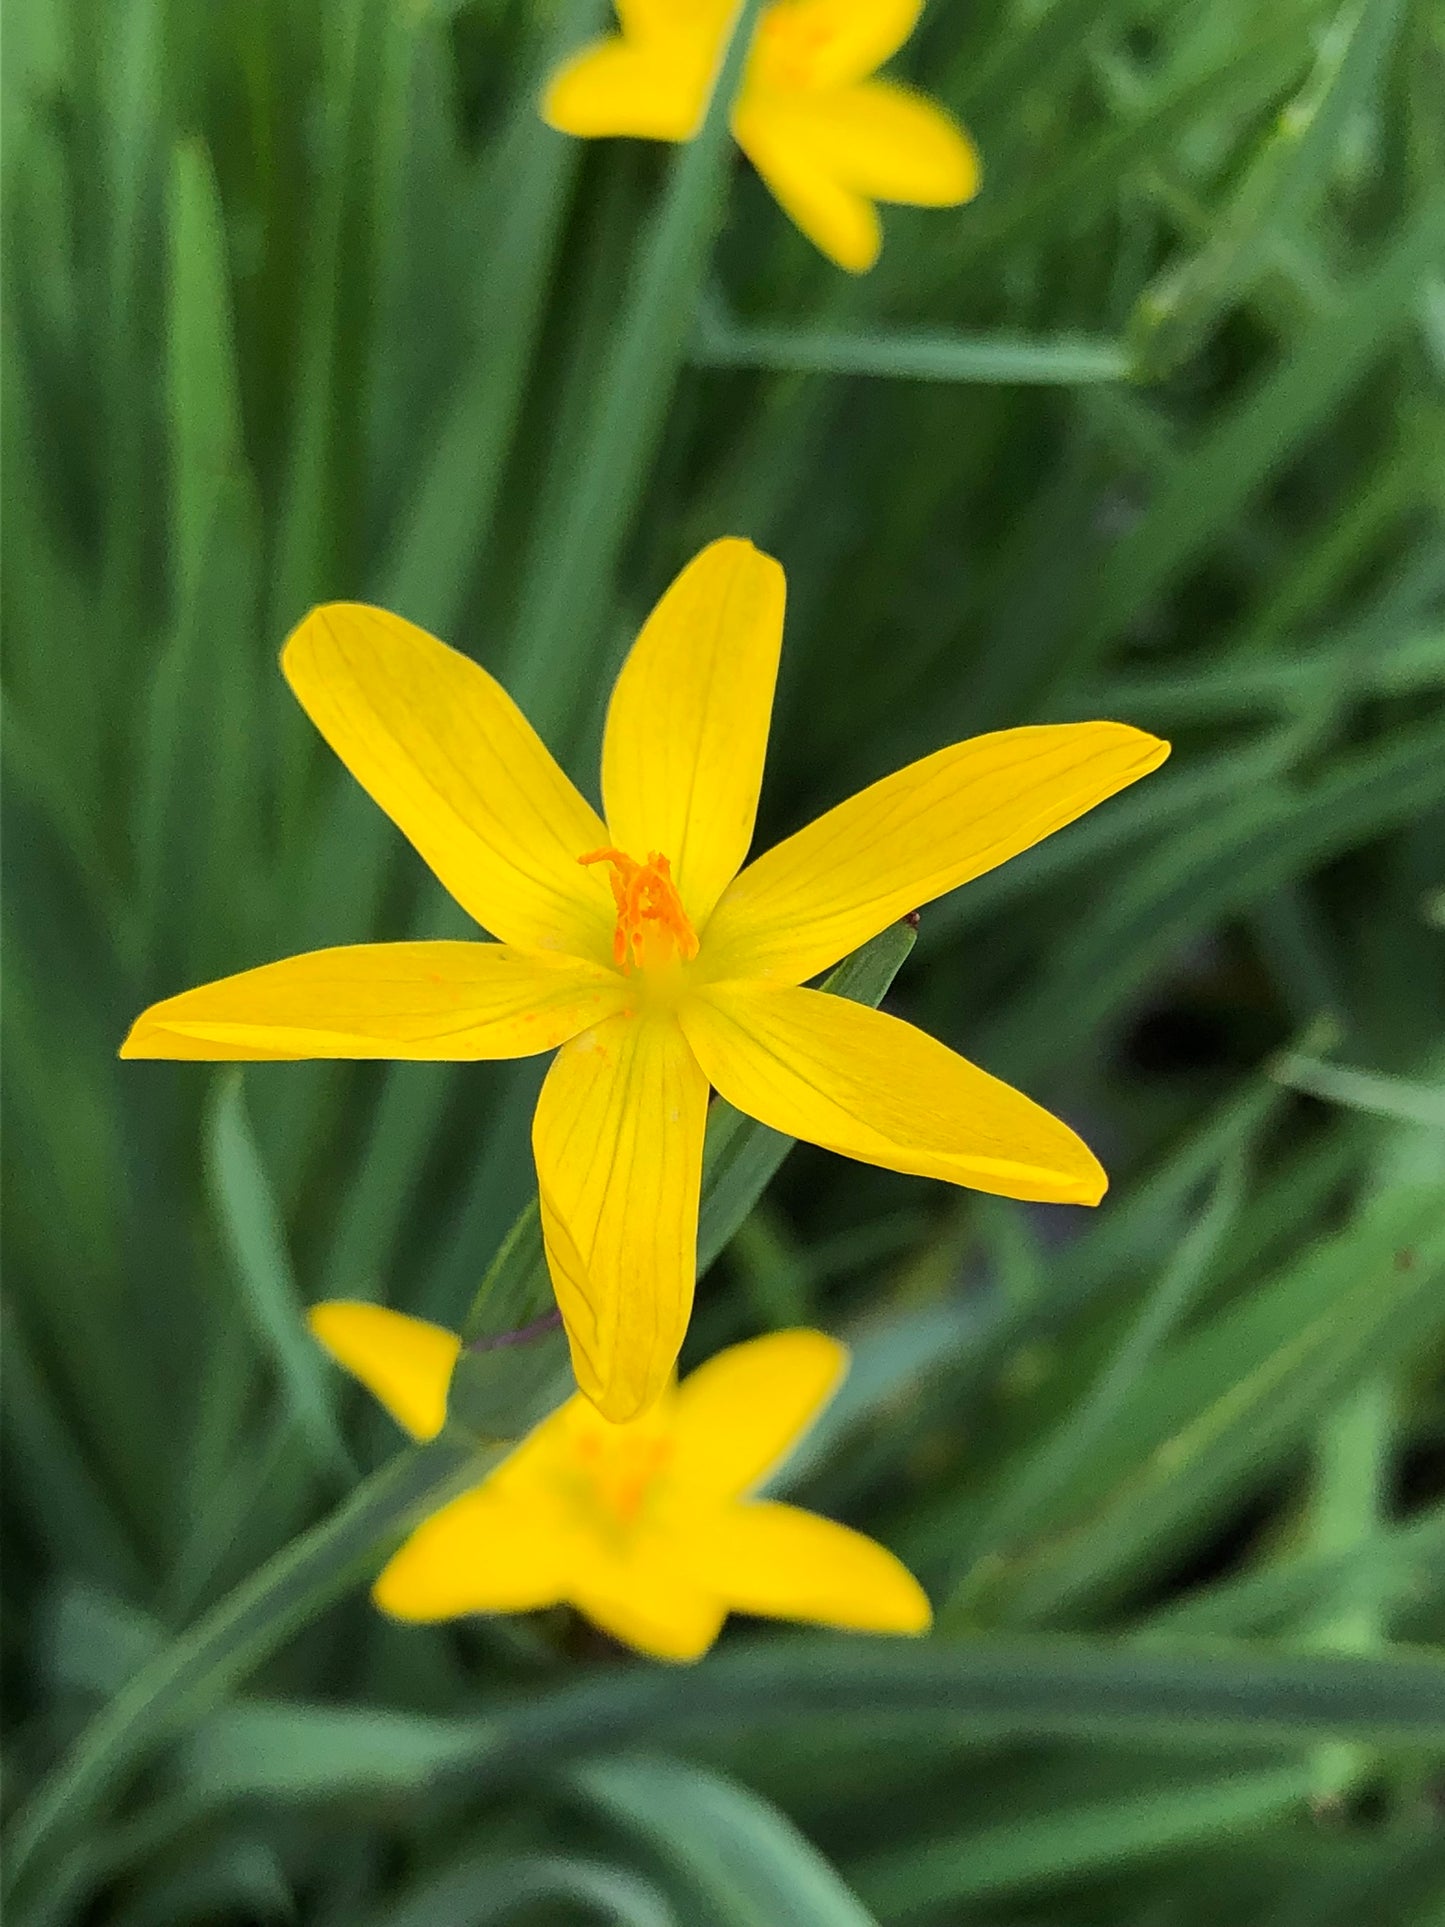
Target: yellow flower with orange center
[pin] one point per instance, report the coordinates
(827, 137)
(643, 953)
(649, 1528)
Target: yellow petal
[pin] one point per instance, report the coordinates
(701, 21)
(650, 1602)
(825, 43)
(839, 221)
(434, 1001)
(913, 836)
(788, 1564)
(740, 1414)
(871, 1087)
(497, 1549)
(687, 727)
(655, 90)
(883, 141)
(444, 750)
(618, 1143)
(405, 1362)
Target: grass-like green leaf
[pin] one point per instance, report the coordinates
(739, 1859)
(1103, 1836)
(554, 632)
(253, 1230)
(1411, 1100)
(910, 357)
(487, 1887)
(1279, 188)
(1022, 1688)
(1272, 422)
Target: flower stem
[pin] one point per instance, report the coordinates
(575, 552)
(550, 1321)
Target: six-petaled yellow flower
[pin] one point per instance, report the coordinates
(642, 949)
(647, 1528)
(827, 137)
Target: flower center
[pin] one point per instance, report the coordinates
(652, 926)
(790, 40)
(621, 1471)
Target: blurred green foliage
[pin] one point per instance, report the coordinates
(305, 302)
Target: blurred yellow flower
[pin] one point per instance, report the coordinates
(827, 138)
(646, 1527)
(638, 947)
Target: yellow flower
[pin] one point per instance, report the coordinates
(638, 947)
(827, 138)
(646, 1527)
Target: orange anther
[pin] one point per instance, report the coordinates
(652, 926)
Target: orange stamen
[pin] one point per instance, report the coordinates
(652, 926)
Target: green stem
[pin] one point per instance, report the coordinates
(1350, 1505)
(575, 554)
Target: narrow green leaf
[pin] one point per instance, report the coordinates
(1079, 184)
(196, 1669)
(1102, 1836)
(426, 571)
(33, 768)
(287, 1750)
(1027, 51)
(890, 1356)
(1041, 1485)
(52, 1482)
(572, 567)
(1355, 1468)
(490, 1887)
(204, 385)
(197, 783)
(256, 1237)
(1279, 189)
(44, 594)
(239, 1874)
(1228, 1405)
(1264, 430)
(96, 1642)
(1350, 668)
(900, 356)
(1408, 1099)
(741, 1861)
(129, 75)
(1391, 1568)
(1215, 868)
(307, 537)
(1001, 1688)
(1156, 1212)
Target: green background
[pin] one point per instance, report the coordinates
(305, 302)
